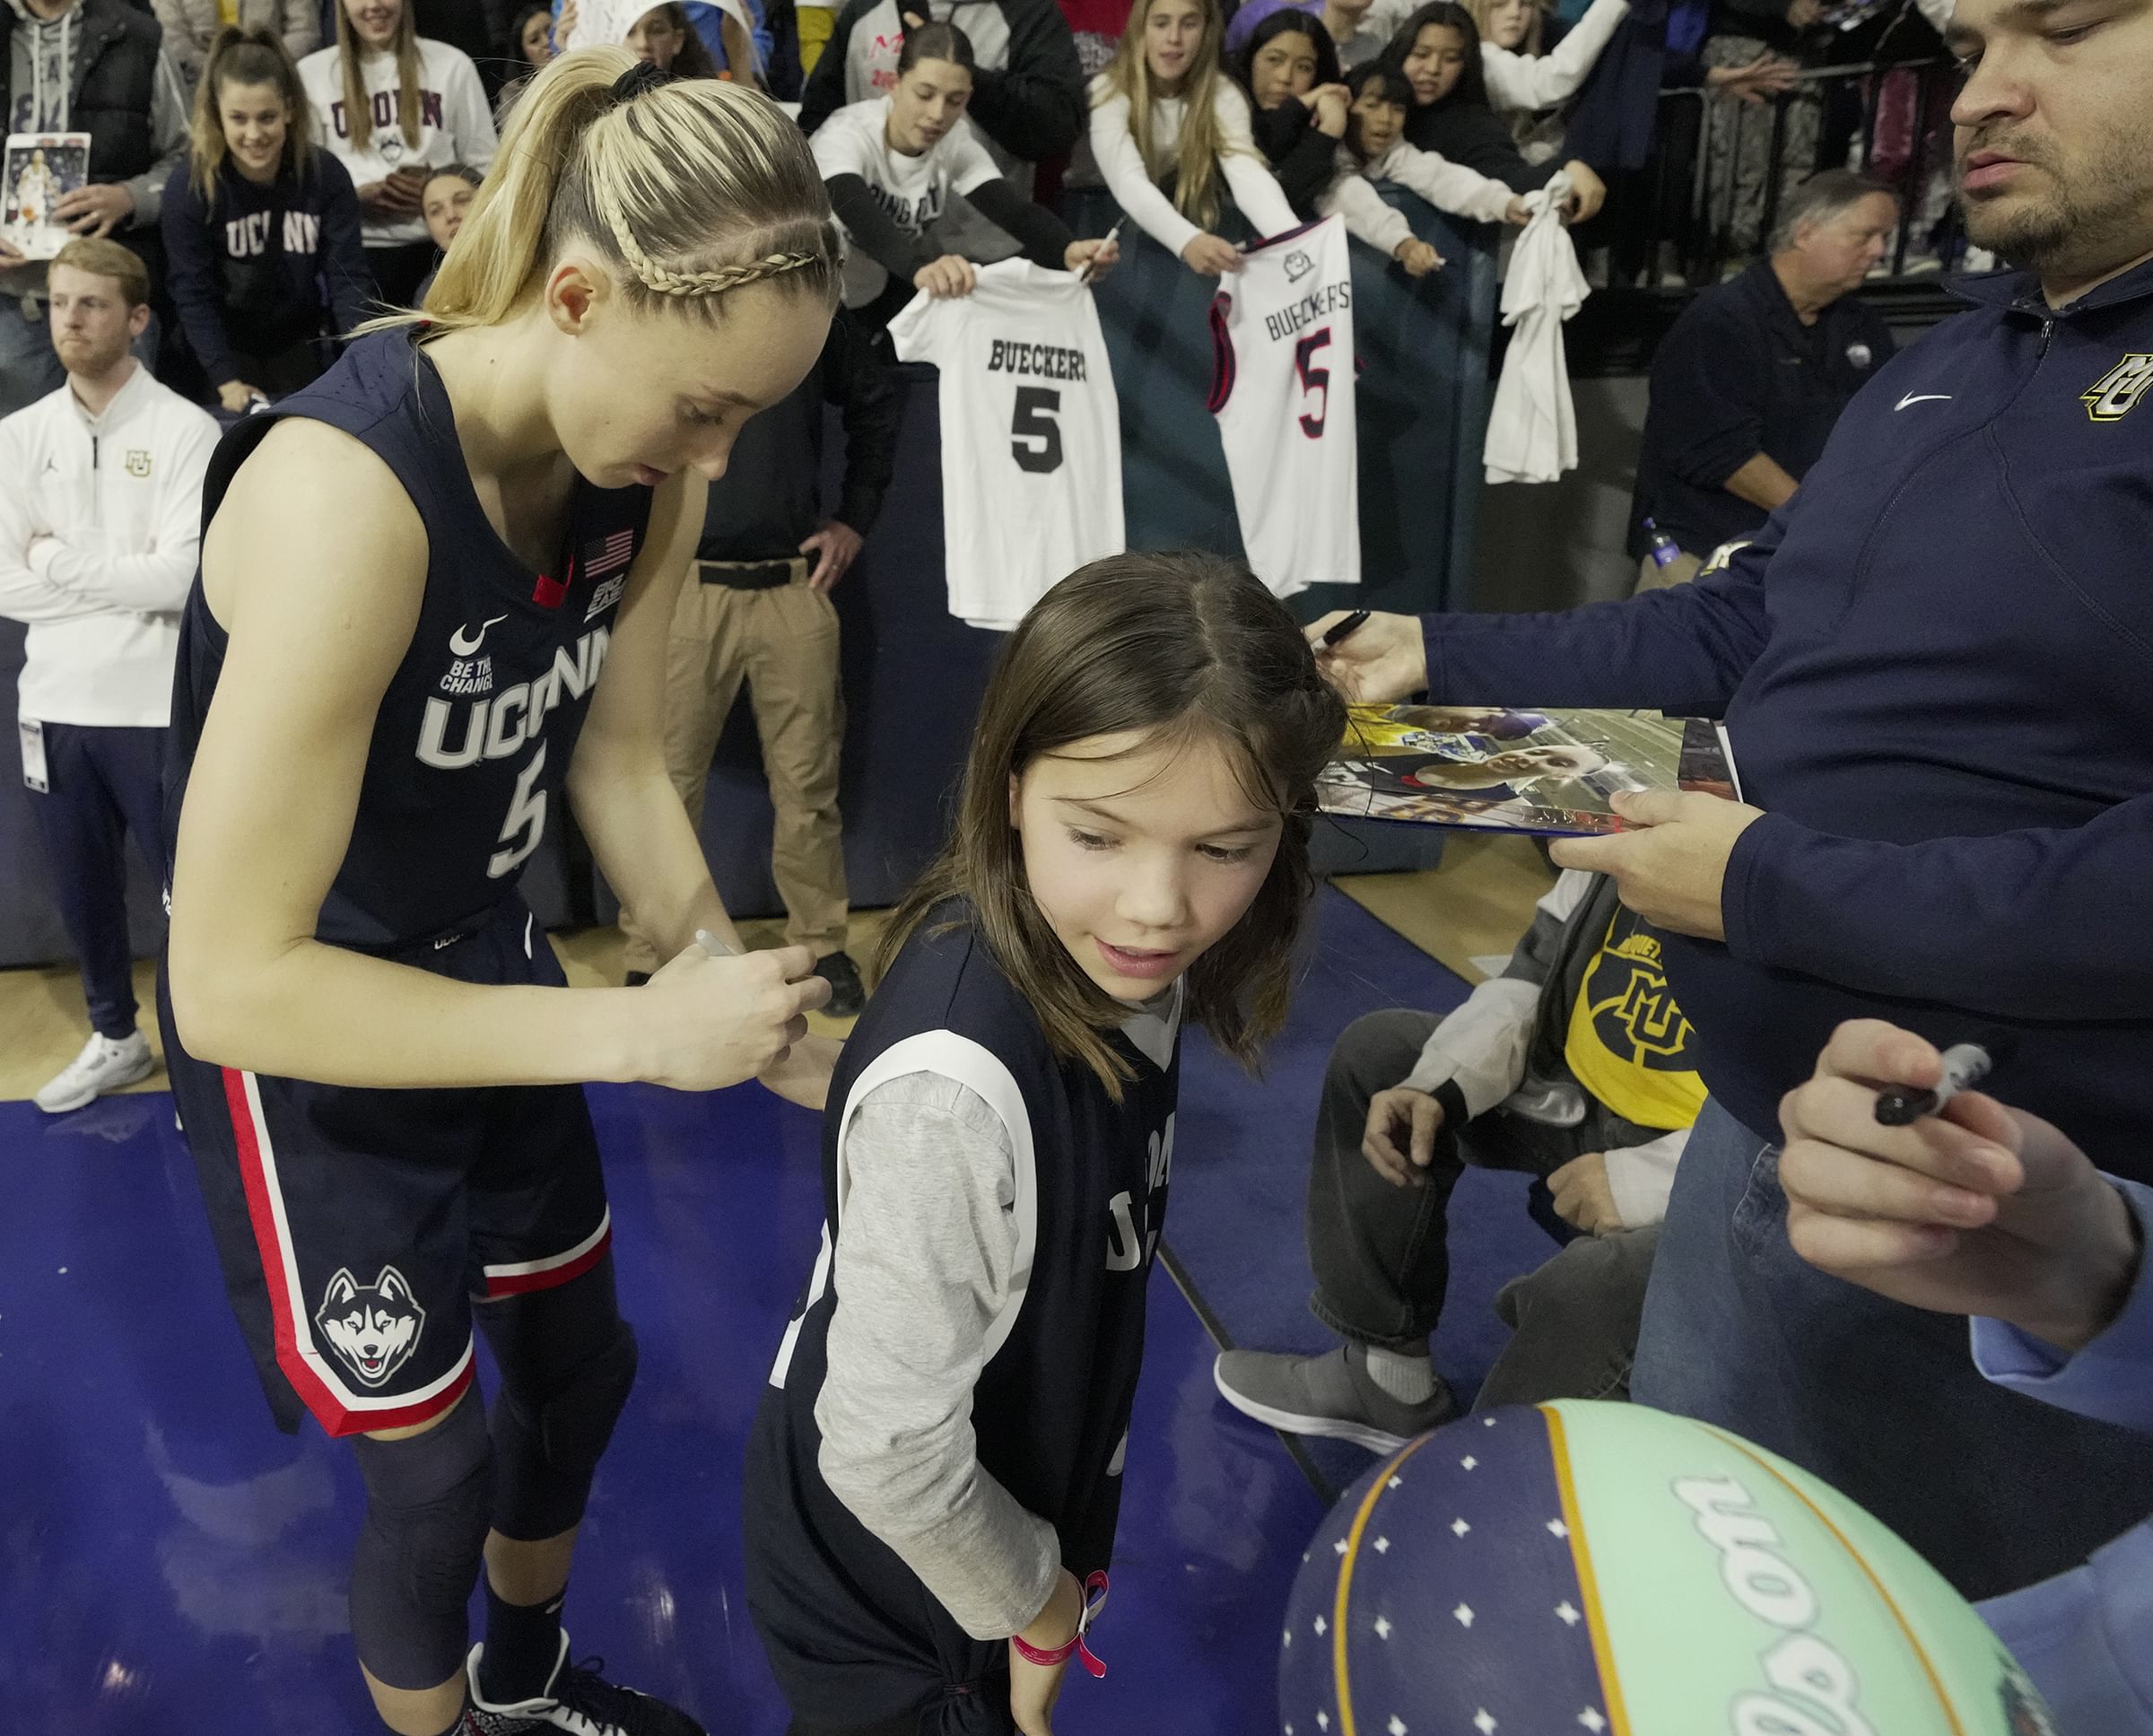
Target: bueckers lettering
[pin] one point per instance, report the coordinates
(1042, 360)
(1299, 316)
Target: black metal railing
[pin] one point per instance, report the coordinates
(1723, 166)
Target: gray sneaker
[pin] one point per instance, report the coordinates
(104, 1065)
(1330, 1394)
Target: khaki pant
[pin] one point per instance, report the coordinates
(783, 642)
(1680, 570)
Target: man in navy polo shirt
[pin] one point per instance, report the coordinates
(1748, 382)
(1935, 665)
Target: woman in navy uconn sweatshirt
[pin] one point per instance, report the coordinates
(261, 227)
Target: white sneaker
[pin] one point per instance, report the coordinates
(103, 1066)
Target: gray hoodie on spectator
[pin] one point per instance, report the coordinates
(49, 62)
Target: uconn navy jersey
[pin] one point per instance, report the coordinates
(475, 730)
(1282, 390)
(853, 1635)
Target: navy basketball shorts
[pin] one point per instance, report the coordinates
(359, 1228)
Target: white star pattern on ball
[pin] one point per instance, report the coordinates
(1484, 1724)
(1320, 1625)
(1487, 1422)
(1396, 1482)
(1557, 1529)
(1568, 1612)
(1382, 1628)
(1339, 1546)
(1592, 1720)
(1469, 1462)
(1323, 1721)
(1397, 1726)
(1459, 1528)
(1382, 1546)
(1464, 1613)
(1288, 1640)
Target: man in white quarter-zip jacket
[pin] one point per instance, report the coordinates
(100, 510)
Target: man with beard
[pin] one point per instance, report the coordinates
(1935, 664)
(101, 508)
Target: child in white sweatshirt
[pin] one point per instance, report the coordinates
(1375, 150)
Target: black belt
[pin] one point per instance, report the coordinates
(747, 575)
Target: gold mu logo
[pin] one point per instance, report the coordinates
(138, 462)
(2116, 394)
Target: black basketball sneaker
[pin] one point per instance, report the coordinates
(577, 1701)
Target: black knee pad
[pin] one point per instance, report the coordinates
(429, 1498)
(547, 1442)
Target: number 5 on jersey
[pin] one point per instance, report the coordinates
(526, 816)
(1037, 419)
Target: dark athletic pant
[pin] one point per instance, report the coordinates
(101, 784)
(1380, 1252)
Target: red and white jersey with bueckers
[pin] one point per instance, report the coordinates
(1282, 391)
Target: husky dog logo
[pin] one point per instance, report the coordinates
(373, 1327)
(1298, 265)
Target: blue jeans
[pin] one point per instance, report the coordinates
(1882, 1401)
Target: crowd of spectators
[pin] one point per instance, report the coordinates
(261, 178)
(228, 142)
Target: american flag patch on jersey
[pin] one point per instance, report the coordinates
(610, 555)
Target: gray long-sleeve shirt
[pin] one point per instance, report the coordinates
(926, 1246)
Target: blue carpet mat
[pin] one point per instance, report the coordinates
(1241, 1155)
(171, 1565)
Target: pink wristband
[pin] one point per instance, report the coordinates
(1076, 1647)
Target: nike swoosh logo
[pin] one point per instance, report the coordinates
(1922, 397)
(464, 646)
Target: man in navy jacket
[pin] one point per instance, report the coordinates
(1936, 667)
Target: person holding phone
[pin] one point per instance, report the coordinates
(391, 106)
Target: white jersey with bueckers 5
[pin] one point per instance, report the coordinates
(1282, 391)
(1031, 435)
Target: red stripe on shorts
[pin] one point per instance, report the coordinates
(328, 1409)
(515, 1284)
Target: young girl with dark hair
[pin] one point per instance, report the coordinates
(261, 229)
(390, 104)
(933, 1481)
(432, 604)
(894, 163)
(1437, 52)
(1169, 127)
(1289, 70)
(1375, 150)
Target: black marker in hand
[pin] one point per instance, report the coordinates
(1965, 1065)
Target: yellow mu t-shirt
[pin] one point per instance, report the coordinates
(1628, 1043)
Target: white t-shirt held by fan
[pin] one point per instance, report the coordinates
(1031, 435)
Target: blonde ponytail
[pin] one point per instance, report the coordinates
(685, 191)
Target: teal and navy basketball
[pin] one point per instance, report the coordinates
(1607, 1570)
